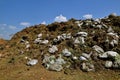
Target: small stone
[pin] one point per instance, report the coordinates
(83, 34)
(87, 67)
(83, 58)
(39, 35)
(32, 62)
(66, 52)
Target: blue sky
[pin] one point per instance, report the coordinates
(17, 14)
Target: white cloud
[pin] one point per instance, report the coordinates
(25, 24)
(87, 16)
(43, 23)
(60, 18)
(6, 30)
(12, 27)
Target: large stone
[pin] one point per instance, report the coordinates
(108, 54)
(98, 49)
(112, 54)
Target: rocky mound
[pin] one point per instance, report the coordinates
(89, 45)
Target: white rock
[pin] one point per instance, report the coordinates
(87, 67)
(68, 36)
(66, 52)
(37, 40)
(98, 20)
(104, 25)
(98, 49)
(82, 58)
(27, 46)
(108, 64)
(53, 49)
(114, 35)
(108, 54)
(79, 40)
(104, 55)
(86, 55)
(83, 34)
(99, 26)
(39, 35)
(111, 53)
(44, 42)
(32, 62)
(60, 61)
(114, 42)
(26, 42)
(76, 41)
(110, 30)
(74, 57)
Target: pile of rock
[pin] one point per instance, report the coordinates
(88, 42)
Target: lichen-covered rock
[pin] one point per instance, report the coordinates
(55, 67)
(60, 61)
(117, 62)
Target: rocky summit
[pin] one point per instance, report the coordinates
(90, 45)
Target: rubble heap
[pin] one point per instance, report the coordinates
(90, 45)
